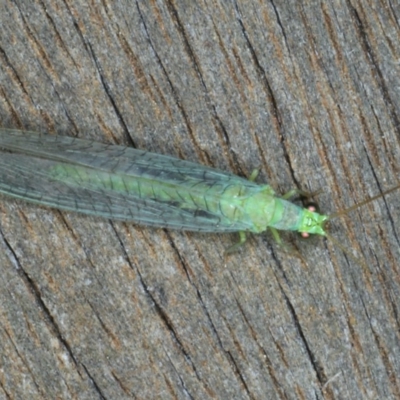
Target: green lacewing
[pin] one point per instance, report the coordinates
(127, 184)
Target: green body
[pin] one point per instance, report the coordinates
(127, 184)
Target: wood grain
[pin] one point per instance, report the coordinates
(308, 92)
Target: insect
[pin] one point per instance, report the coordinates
(127, 184)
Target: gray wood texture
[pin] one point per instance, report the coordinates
(307, 91)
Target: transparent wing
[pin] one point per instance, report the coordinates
(118, 159)
(29, 175)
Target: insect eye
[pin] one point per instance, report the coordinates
(313, 207)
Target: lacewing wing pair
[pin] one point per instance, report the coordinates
(122, 183)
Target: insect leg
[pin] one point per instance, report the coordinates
(235, 247)
(254, 174)
(276, 236)
(286, 248)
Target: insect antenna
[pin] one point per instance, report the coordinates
(346, 250)
(352, 208)
(363, 203)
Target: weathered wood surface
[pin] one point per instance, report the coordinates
(309, 92)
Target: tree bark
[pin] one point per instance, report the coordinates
(306, 91)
